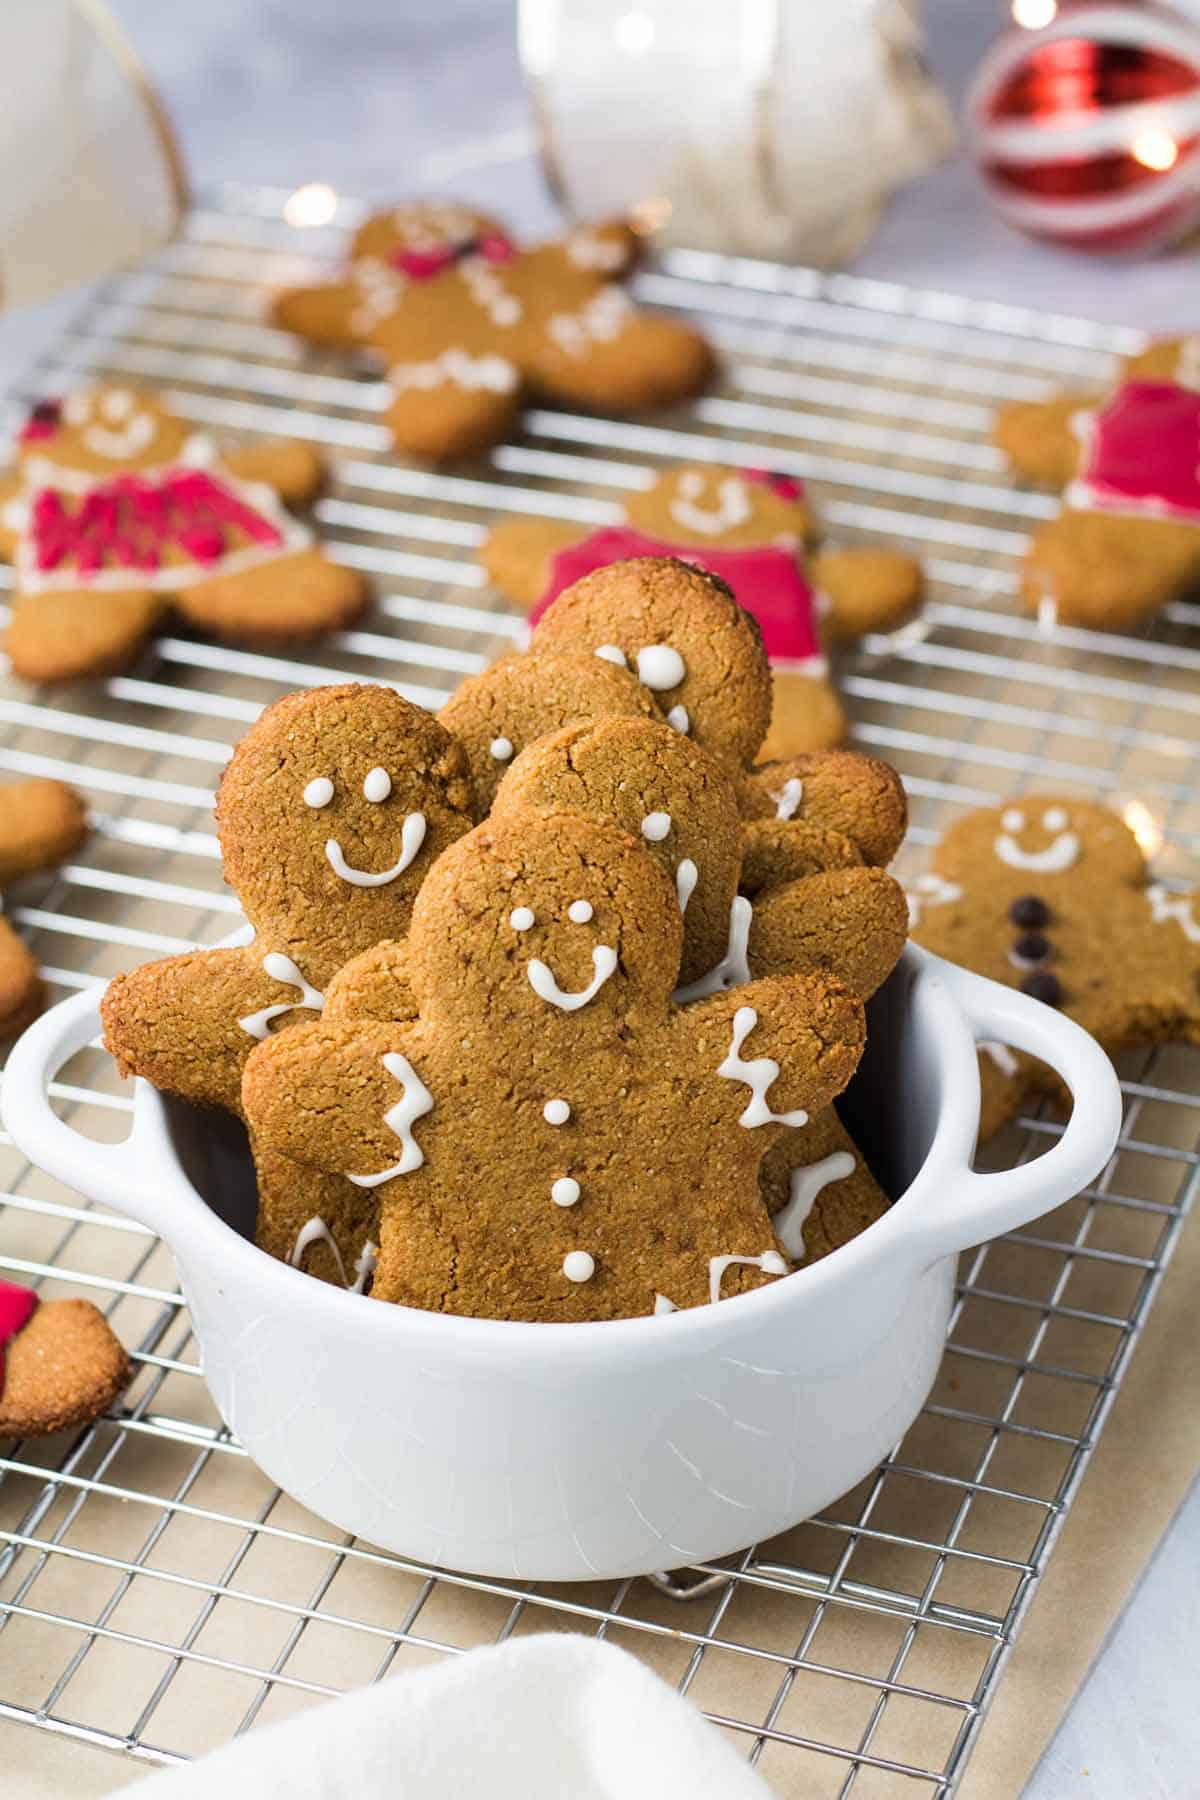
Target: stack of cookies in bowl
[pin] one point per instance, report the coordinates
(548, 997)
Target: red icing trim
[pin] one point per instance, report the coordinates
(788, 487)
(17, 1307)
(42, 423)
(767, 580)
(1143, 453)
(423, 265)
(129, 521)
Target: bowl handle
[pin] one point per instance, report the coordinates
(126, 1176)
(973, 1207)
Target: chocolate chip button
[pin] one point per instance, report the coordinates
(1031, 947)
(1029, 913)
(1044, 986)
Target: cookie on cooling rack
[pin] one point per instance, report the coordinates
(469, 324)
(750, 527)
(41, 822)
(60, 1363)
(1050, 895)
(1127, 540)
(116, 511)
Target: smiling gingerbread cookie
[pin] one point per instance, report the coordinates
(750, 527)
(119, 511)
(552, 1138)
(1050, 895)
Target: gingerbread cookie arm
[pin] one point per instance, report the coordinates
(645, 361)
(10, 536)
(839, 790)
(292, 469)
(291, 597)
(189, 1023)
(321, 314)
(321, 1095)
(60, 636)
(20, 983)
(41, 822)
(776, 851)
(849, 923)
(866, 590)
(374, 985)
(518, 555)
(1038, 439)
(305, 1216)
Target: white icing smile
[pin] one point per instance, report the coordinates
(412, 836)
(732, 508)
(135, 430)
(1057, 856)
(545, 986)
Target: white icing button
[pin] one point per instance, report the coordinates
(660, 667)
(655, 827)
(377, 786)
(556, 1112)
(614, 654)
(500, 749)
(521, 918)
(565, 1191)
(579, 912)
(319, 792)
(578, 1265)
(679, 720)
(1054, 819)
(1013, 820)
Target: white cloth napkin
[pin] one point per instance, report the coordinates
(556, 1717)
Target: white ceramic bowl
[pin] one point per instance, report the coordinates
(575, 1451)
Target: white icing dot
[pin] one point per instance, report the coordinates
(556, 1112)
(500, 749)
(377, 786)
(578, 1265)
(660, 667)
(319, 792)
(1013, 820)
(679, 720)
(565, 1191)
(655, 827)
(686, 877)
(521, 918)
(614, 654)
(1054, 819)
(579, 912)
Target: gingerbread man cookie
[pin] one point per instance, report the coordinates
(1128, 538)
(552, 1138)
(118, 511)
(1050, 895)
(331, 811)
(60, 1364)
(41, 822)
(750, 527)
(468, 323)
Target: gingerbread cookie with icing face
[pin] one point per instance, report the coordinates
(41, 822)
(1050, 895)
(1128, 538)
(468, 323)
(749, 527)
(330, 813)
(60, 1364)
(552, 1139)
(118, 512)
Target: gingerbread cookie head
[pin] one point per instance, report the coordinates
(656, 784)
(97, 431)
(330, 813)
(705, 504)
(560, 926)
(680, 630)
(496, 714)
(1040, 839)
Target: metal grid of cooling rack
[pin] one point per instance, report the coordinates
(156, 1594)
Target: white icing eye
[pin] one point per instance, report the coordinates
(500, 749)
(1013, 820)
(556, 1112)
(1054, 819)
(655, 827)
(521, 918)
(579, 912)
(578, 1265)
(678, 720)
(614, 654)
(319, 792)
(77, 409)
(659, 667)
(377, 786)
(565, 1191)
(118, 404)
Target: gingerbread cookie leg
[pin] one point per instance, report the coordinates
(867, 590)
(291, 596)
(60, 1364)
(1038, 438)
(518, 555)
(62, 635)
(452, 405)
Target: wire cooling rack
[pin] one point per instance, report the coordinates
(157, 1595)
